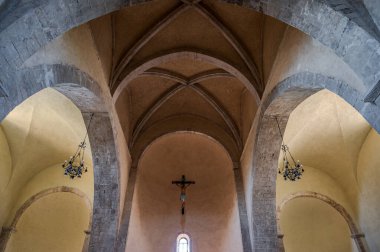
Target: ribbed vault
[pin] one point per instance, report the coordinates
(189, 59)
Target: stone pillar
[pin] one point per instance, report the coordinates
(244, 225)
(106, 184)
(265, 165)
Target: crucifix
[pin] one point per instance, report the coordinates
(183, 184)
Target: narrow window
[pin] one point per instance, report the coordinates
(183, 243)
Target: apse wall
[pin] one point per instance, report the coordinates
(211, 218)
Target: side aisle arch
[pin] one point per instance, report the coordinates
(355, 234)
(6, 234)
(86, 95)
(281, 101)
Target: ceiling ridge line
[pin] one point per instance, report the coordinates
(234, 42)
(156, 105)
(211, 100)
(220, 110)
(148, 35)
(209, 74)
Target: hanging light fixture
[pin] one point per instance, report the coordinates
(75, 166)
(290, 169)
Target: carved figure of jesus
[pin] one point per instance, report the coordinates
(183, 184)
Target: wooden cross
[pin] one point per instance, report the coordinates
(183, 184)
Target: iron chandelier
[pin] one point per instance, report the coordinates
(290, 169)
(75, 166)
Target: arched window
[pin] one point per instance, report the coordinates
(183, 243)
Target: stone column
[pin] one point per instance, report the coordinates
(265, 165)
(106, 184)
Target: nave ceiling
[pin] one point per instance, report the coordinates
(179, 66)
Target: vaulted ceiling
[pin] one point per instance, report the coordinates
(180, 65)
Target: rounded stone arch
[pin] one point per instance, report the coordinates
(86, 94)
(7, 232)
(355, 233)
(184, 122)
(170, 56)
(153, 141)
(280, 102)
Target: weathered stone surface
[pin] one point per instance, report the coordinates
(106, 177)
(356, 11)
(41, 23)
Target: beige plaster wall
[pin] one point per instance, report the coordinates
(41, 133)
(314, 180)
(89, 51)
(53, 223)
(51, 177)
(368, 175)
(246, 164)
(248, 109)
(312, 225)
(6, 161)
(326, 133)
(211, 218)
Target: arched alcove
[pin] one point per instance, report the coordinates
(211, 207)
(87, 99)
(309, 224)
(51, 221)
